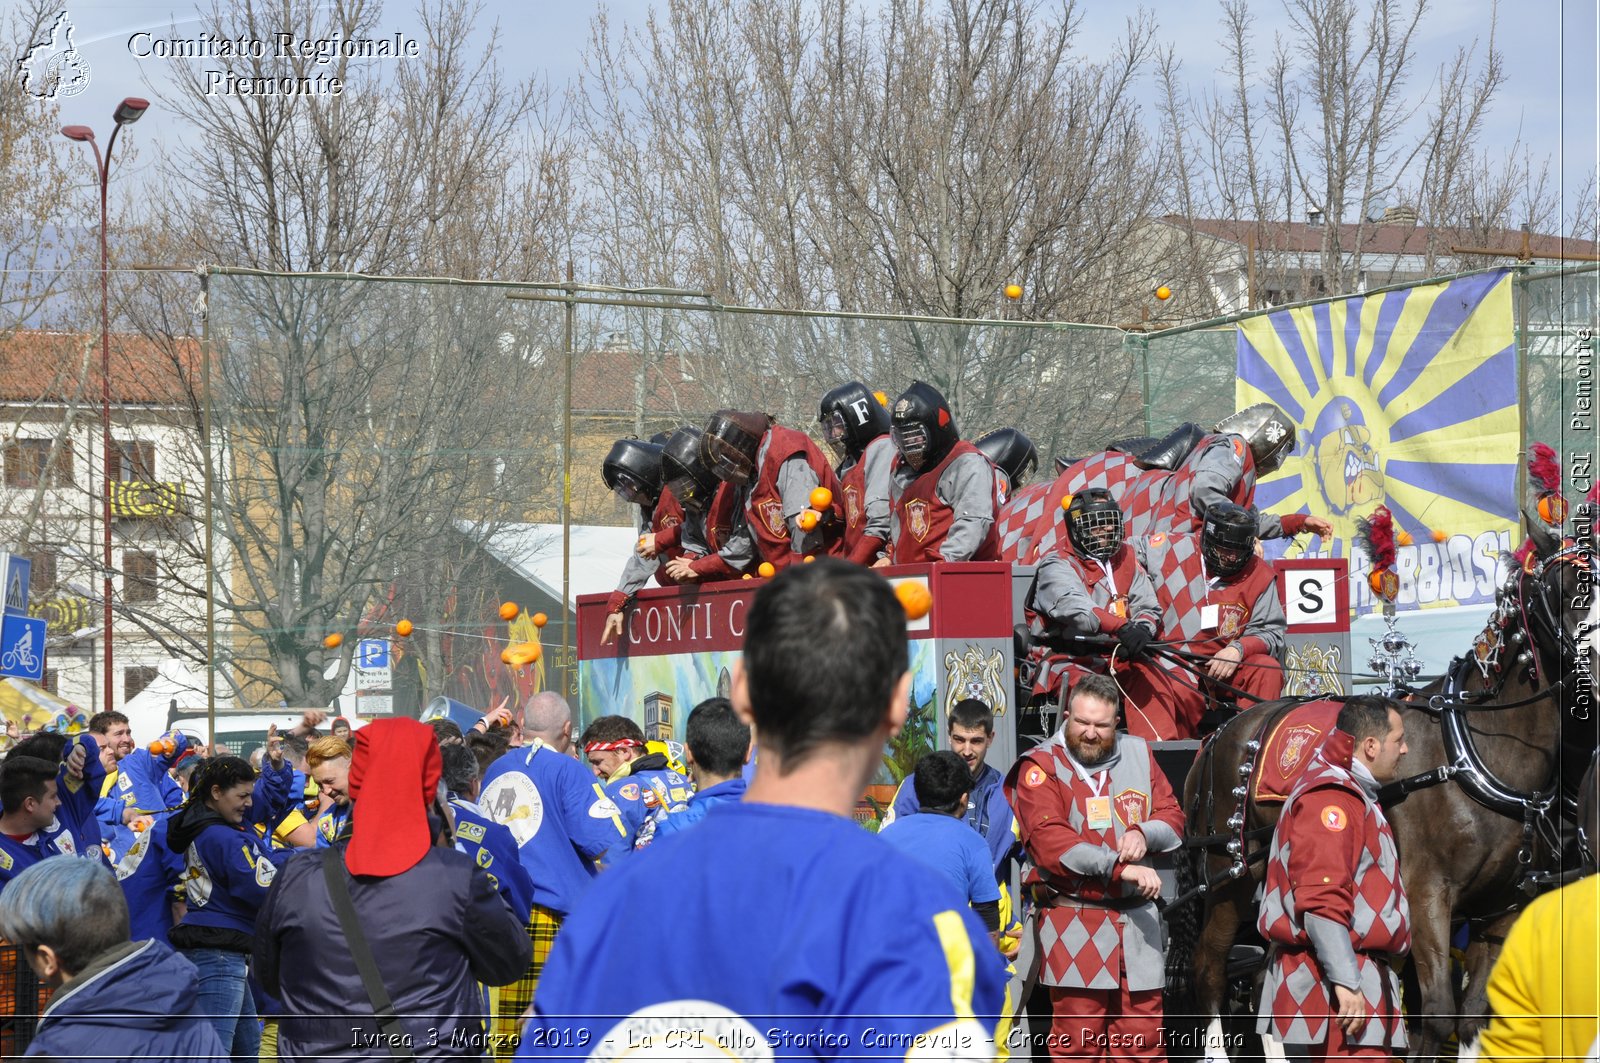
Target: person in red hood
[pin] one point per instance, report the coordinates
(434, 922)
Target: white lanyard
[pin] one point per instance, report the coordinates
(1111, 577)
(1095, 782)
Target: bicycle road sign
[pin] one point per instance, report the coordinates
(22, 647)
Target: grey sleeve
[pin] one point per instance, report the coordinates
(740, 549)
(1267, 621)
(1143, 605)
(796, 478)
(1060, 595)
(636, 573)
(1091, 860)
(877, 461)
(967, 487)
(1159, 837)
(1269, 526)
(692, 534)
(1216, 474)
(1331, 942)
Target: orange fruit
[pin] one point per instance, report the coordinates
(807, 519)
(767, 570)
(404, 628)
(821, 498)
(521, 654)
(540, 620)
(1440, 536)
(915, 598)
(1163, 293)
(509, 610)
(1404, 538)
(333, 641)
(1013, 291)
(748, 576)
(882, 397)
(807, 559)
(1066, 502)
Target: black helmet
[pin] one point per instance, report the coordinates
(660, 438)
(633, 470)
(923, 427)
(1228, 539)
(684, 471)
(1012, 453)
(730, 444)
(851, 417)
(1094, 524)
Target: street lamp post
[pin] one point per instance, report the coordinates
(128, 111)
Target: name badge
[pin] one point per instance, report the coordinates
(1119, 607)
(1098, 812)
(1208, 617)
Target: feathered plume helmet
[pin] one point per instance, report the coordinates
(1375, 538)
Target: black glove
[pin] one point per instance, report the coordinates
(1135, 640)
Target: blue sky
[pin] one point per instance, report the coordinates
(1550, 46)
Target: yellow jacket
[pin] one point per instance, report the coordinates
(1545, 989)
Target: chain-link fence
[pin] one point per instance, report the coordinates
(336, 454)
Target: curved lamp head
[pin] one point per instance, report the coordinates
(77, 132)
(130, 110)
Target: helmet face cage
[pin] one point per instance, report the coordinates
(1227, 545)
(631, 489)
(911, 439)
(1096, 530)
(836, 433)
(730, 451)
(687, 489)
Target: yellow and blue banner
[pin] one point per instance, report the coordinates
(1406, 399)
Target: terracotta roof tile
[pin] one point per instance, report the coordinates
(50, 366)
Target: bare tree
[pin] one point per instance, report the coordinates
(358, 430)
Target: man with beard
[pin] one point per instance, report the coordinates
(1092, 806)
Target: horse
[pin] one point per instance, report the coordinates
(1485, 750)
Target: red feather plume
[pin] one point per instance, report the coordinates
(1375, 536)
(1543, 468)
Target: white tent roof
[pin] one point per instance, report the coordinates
(175, 680)
(533, 551)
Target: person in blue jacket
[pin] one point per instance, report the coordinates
(639, 779)
(840, 946)
(48, 788)
(116, 1000)
(718, 744)
(562, 820)
(228, 870)
(970, 729)
(936, 835)
(490, 845)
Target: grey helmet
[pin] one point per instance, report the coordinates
(1267, 429)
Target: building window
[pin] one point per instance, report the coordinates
(51, 681)
(135, 680)
(28, 463)
(133, 460)
(42, 574)
(138, 576)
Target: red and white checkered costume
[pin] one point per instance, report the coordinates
(1157, 500)
(1333, 855)
(1100, 948)
(1016, 519)
(1074, 595)
(1203, 614)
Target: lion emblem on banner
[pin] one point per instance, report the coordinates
(1312, 671)
(973, 674)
